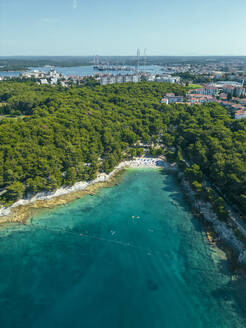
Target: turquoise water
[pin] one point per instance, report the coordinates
(131, 256)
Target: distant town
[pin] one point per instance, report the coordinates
(230, 94)
(220, 80)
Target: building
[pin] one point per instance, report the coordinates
(169, 79)
(170, 98)
(199, 98)
(110, 79)
(223, 96)
(239, 91)
(104, 80)
(175, 99)
(220, 84)
(64, 84)
(43, 81)
(119, 79)
(164, 100)
(207, 90)
(53, 80)
(242, 101)
(228, 89)
(237, 107)
(240, 114)
(53, 73)
(107, 80)
(127, 78)
(135, 78)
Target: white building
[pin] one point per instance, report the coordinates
(135, 78)
(53, 80)
(127, 78)
(43, 81)
(119, 79)
(168, 78)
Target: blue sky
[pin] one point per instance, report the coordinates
(118, 27)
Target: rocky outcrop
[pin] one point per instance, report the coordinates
(224, 230)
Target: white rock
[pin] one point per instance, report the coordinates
(103, 177)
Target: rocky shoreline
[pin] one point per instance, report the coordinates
(21, 210)
(223, 230)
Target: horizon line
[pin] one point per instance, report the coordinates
(122, 55)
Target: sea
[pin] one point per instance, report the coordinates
(85, 70)
(130, 256)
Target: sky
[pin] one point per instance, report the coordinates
(119, 27)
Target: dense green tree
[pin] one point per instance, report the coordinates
(14, 191)
(70, 178)
(70, 134)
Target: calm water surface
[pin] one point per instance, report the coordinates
(130, 256)
(85, 70)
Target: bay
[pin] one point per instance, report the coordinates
(133, 255)
(84, 70)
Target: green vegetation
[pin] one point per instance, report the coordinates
(194, 86)
(69, 134)
(13, 68)
(195, 78)
(23, 63)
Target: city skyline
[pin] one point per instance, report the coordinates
(77, 28)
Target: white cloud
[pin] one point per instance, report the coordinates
(75, 4)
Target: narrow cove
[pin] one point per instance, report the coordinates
(133, 255)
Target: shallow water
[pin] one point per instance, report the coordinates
(131, 256)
